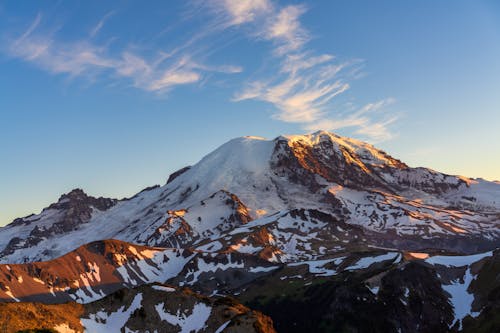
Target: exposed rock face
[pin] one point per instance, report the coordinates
(334, 162)
(406, 296)
(166, 309)
(159, 308)
(89, 272)
(184, 227)
(77, 207)
(67, 214)
(15, 317)
(177, 174)
(353, 164)
(77, 199)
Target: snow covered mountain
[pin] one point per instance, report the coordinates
(256, 216)
(252, 179)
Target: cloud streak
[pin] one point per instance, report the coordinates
(159, 73)
(304, 84)
(100, 24)
(285, 30)
(300, 96)
(362, 121)
(242, 11)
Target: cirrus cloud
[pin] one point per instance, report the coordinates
(159, 73)
(304, 83)
(303, 86)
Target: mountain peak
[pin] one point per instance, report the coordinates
(326, 145)
(353, 150)
(315, 136)
(78, 197)
(74, 194)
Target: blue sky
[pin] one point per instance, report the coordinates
(113, 96)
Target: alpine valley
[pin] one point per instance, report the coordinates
(317, 233)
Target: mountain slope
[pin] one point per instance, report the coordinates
(437, 294)
(148, 308)
(252, 178)
(90, 272)
(393, 290)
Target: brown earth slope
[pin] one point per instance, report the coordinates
(161, 308)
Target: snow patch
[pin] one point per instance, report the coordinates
(187, 323)
(368, 261)
(222, 327)
(317, 266)
(460, 298)
(103, 322)
(457, 261)
(163, 288)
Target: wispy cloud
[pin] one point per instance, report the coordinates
(304, 84)
(366, 121)
(32, 27)
(73, 58)
(158, 73)
(242, 11)
(299, 97)
(295, 62)
(285, 30)
(100, 24)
